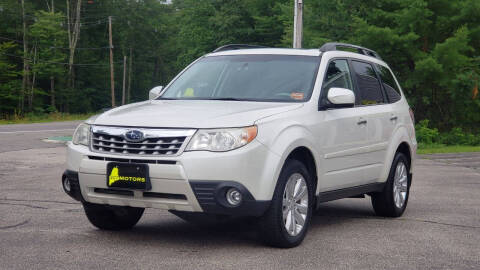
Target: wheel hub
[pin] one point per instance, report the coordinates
(295, 204)
(400, 185)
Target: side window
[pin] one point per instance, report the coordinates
(370, 91)
(389, 84)
(338, 75)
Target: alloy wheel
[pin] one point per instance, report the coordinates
(400, 185)
(295, 204)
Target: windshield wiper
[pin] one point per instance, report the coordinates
(226, 98)
(166, 98)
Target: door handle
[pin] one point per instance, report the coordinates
(362, 122)
(393, 118)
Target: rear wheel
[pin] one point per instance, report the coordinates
(286, 222)
(392, 201)
(108, 217)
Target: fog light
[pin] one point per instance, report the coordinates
(234, 197)
(66, 184)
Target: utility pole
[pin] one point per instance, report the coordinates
(112, 81)
(124, 75)
(298, 24)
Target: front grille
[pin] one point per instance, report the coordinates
(112, 140)
(117, 144)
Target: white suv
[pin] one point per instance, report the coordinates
(251, 131)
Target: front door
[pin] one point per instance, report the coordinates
(342, 135)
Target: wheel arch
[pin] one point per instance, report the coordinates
(399, 142)
(305, 156)
(404, 148)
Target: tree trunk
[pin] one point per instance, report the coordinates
(155, 72)
(25, 77)
(124, 78)
(129, 76)
(73, 21)
(52, 92)
(30, 96)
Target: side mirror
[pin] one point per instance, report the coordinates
(340, 98)
(155, 92)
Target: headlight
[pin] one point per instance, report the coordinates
(81, 134)
(220, 140)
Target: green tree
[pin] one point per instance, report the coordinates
(9, 79)
(49, 41)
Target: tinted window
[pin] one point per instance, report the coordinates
(370, 91)
(389, 84)
(338, 75)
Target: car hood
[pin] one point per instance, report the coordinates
(191, 113)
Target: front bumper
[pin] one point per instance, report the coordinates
(177, 182)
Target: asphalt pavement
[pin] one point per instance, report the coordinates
(42, 228)
(32, 136)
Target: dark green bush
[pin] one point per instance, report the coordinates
(456, 136)
(425, 134)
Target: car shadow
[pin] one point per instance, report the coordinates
(169, 230)
(342, 211)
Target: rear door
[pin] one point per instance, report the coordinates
(373, 99)
(391, 120)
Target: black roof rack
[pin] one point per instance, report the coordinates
(332, 46)
(230, 47)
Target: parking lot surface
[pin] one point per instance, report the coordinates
(42, 228)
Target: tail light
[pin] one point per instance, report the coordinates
(412, 115)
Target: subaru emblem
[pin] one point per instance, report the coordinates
(134, 135)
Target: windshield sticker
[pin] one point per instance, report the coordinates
(296, 95)
(189, 92)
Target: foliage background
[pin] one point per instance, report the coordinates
(432, 46)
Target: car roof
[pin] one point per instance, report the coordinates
(300, 52)
(279, 51)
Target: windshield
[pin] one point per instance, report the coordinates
(276, 78)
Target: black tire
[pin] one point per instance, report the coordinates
(108, 217)
(383, 202)
(272, 226)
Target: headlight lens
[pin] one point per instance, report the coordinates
(221, 140)
(81, 134)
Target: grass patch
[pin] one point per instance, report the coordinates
(439, 149)
(44, 118)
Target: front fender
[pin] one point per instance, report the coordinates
(284, 141)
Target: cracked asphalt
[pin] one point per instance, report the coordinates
(42, 228)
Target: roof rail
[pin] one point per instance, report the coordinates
(332, 46)
(230, 47)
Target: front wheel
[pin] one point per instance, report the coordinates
(109, 217)
(286, 222)
(392, 201)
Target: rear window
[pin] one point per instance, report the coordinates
(389, 84)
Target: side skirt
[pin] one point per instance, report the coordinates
(348, 192)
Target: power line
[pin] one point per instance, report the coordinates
(60, 48)
(93, 48)
(14, 40)
(100, 20)
(59, 63)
